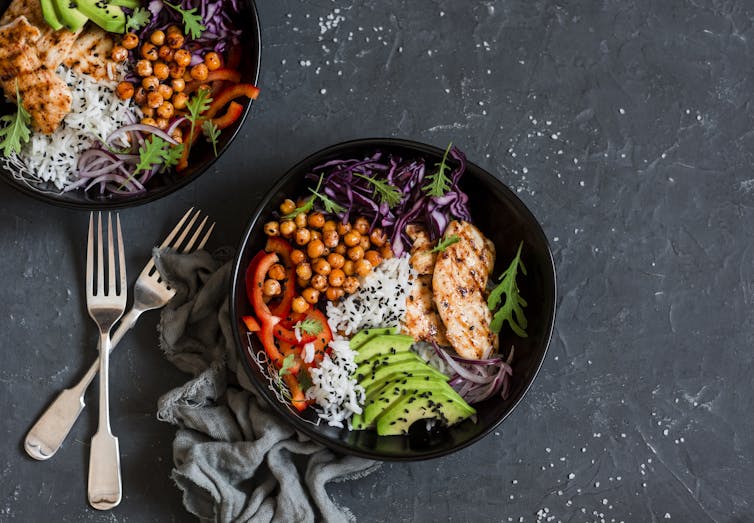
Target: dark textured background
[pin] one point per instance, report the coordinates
(625, 125)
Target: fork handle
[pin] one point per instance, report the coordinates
(48, 433)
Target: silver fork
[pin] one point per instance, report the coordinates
(105, 308)
(150, 292)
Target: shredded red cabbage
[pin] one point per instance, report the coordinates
(478, 380)
(356, 194)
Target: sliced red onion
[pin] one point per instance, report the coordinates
(144, 128)
(478, 380)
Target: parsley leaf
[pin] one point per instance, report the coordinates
(16, 130)
(439, 183)
(329, 205)
(388, 194)
(288, 363)
(138, 19)
(446, 242)
(512, 309)
(310, 326)
(210, 130)
(192, 22)
(196, 106)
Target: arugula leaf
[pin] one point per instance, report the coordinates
(196, 106)
(138, 19)
(329, 205)
(512, 308)
(310, 326)
(388, 194)
(446, 242)
(288, 363)
(210, 130)
(16, 130)
(192, 22)
(305, 207)
(171, 155)
(439, 183)
(150, 154)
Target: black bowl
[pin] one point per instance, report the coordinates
(202, 154)
(504, 219)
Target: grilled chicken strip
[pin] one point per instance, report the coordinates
(89, 53)
(421, 319)
(459, 285)
(45, 95)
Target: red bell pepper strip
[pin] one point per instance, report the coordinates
(233, 113)
(268, 342)
(250, 275)
(324, 337)
(283, 248)
(257, 297)
(231, 93)
(251, 323)
(298, 399)
(219, 75)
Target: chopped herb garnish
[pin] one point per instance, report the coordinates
(16, 131)
(138, 19)
(192, 22)
(512, 308)
(439, 183)
(329, 205)
(196, 106)
(446, 242)
(211, 131)
(388, 194)
(310, 326)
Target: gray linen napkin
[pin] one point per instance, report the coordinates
(235, 460)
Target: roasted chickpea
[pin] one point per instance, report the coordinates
(336, 260)
(140, 96)
(199, 72)
(149, 121)
(334, 293)
(341, 248)
(179, 101)
(148, 51)
(321, 266)
(363, 267)
(330, 238)
(319, 282)
(182, 57)
(288, 206)
(276, 272)
(300, 220)
(386, 252)
(361, 224)
(373, 257)
(302, 282)
(271, 287)
(125, 90)
(330, 225)
(177, 135)
(343, 228)
(161, 70)
(351, 238)
(287, 228)
(302, 236)
(175, 40)
(154, 100)
(165, 53)
(162, 123)
(150, 83)
(147, 111)
(349, 268)
(364, 242)
(165, 90)
(144, 68)
(272, 229)
(355, 253)
(157, 37)
(119, 53)
(316, 220)
(173, 29)
(351, 284)
(213, 61)
(304, 271)
(178, 84)
(316, 235)
(165, 110)
(311, 295)
(378, 237)
(336, 278)
(299, 305)
(297, 256)
(315, 248)
(130, 41)
(177, 71)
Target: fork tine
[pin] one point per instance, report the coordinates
(111, 290)
(176, 245)
(123, 282)
(196, 234)
(206, 237)
(176, 229)
(100, 264)
(90, 257)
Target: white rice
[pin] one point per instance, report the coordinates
(96, 111)
(380, 301)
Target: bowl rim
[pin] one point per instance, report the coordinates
(306, 427)
(50, 198)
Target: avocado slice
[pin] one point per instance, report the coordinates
(401, 370)
(384, 344)
(399, 416)
(131, 4)
(382, 360)
(380, 399)
(367, 334)
(111, 18)
(48, 12)
(68, 15)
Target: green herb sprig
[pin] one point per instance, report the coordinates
(16, 131)
(387, 193)
(192, 22)
(211, 131)
(138, 19)
(310, 326)
(439, 183)
(446, 242)
(157, 151)
(512, 308)
(196, 106)
(328, 204)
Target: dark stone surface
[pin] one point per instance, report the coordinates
(624, 125)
